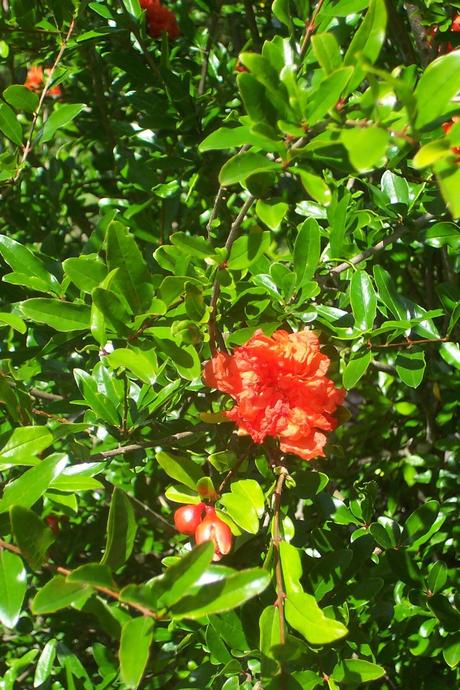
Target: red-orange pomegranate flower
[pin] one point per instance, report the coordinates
(160, 19)
(36, 77)
(280, 387)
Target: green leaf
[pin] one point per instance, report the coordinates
(356, 368)
(242, 512)
(291, 567)
(223, 595)
(143, 364)
(304, 615)
(177, 580)
(136, 638)
(133, 278)
(356, 671)
(251, 491)
(327, 94)
(366, 146)
(23, 446)
(101, 404)
(58, 594)
(439, 83)
(247, 249)
(62, 116)
(94, 574)
(180, 468)
(31, 534)
(241, 166)
(86, 272)
(307, 250)
(363, 300)
(442, 234)
(192, 245)
(326, 50)
(451, 651)
(395, 188)
(13, 321)
(386, 290)
(21, 98)
(9, 124)
(315, 186)
(121, 531)
(420, 522)
(448, 178)
(271, 213)
(61, 316)
(386, 532)
(45, 663)
(367, 41)
(113, 309)
(411, 368)
(22, 261)
(30, 486)
(13, 587)
(431, 153)
(437, 577)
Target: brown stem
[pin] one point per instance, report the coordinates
(64, 571)
(418, 223)
(28, 145)
(310, 27)
(215, 209)
(408, 343)
(216, 340)
(231, 473)
(207, 51)
(280, 593)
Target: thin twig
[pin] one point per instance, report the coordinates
(44, 395)
(215, 209)
(28, 145)
(280, 593)
(310, 27)
(252, 23)
(207, 51)
(231, 473)
(216, 340)
(407, 343)
(419, 222)
(66, 572)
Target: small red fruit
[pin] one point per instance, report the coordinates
(187, 518)
(215, 530)
(53, 523)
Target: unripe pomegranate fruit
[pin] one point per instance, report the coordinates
(215, 530)
(187, 518)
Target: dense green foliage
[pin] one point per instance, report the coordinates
(276, 166)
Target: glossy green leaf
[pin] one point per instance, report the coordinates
(437, 577)
(307, 250)
(363, 300)
(180, 468)
(437, 86)
(31, 535)
(23, 261)
(431, 152)
(251, 491)
(21, 98)
(419, 523)
(13, 321)
(241, 511)
(94, 574)
(86, 272)
(23, 446)
(133, 278)
(357, 671)
(247, 249)
(291, 567)
(368, 40)
(177, 580)
(355, 369)
(13, 587)
(328, 94)
(62, 116)
(58, 594)
(304, 615)
(271, 213)
(451, 651)
(366, 146)
(143, 364)
(223, 595)
(326, 50)
(136, 638)
(10, 125)
(448, 178)
(45, 663)
(411, 367)
(241, 166)
(30, 486)
(121, 531)
(315, 186)
(59, 315)
(395, 188)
